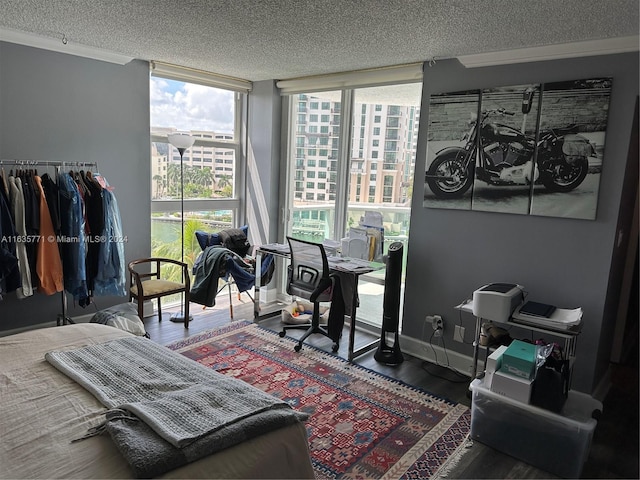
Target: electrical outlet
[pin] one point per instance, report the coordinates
(438, 325)
(458, 334)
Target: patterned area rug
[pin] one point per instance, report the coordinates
(362, 424)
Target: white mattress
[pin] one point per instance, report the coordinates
(42, 410)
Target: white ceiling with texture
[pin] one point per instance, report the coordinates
(281, 39)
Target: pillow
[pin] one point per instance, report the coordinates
(124, 316)
(206, 239)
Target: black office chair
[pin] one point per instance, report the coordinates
(309, 278)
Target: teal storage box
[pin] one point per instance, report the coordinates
(519, 360)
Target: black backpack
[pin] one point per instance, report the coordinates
(235, 240)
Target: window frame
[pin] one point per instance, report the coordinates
(236, 203)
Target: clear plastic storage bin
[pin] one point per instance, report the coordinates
(556, 443)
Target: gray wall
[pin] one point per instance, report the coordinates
(560, 261)
(66, 108)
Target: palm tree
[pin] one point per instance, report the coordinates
(226, 191)
(173, 179)
(224, 185)
(158, 179)
(188, 173)
(205, 177)
(223, 181)
(174, 250)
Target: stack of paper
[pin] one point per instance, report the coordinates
(352, 265)
(560, 319)
(372, 223)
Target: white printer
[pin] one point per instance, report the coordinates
(497, 301)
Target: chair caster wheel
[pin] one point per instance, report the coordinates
(335, 347)
(282, 334)
(297, 348)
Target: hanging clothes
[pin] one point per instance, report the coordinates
(60, 234)
(32, 221)
(4, 181)
(95, 223)
(111, 276)
(49, 263)
(16, 201)
(9, 273)
(72, 230)
(50, 188)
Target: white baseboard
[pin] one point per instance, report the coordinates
(457, 361)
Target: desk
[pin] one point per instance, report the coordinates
(350, 271)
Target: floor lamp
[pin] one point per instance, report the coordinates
(182, 141)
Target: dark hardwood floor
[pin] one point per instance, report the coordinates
(614, 449)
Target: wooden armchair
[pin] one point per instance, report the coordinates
(145, 283)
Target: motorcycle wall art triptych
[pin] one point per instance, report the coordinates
(542, 150)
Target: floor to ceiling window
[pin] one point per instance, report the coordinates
(352, 151)
(210, 176)
(313, 168)
(382, 156)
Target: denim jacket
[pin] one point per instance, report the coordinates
(72, 229)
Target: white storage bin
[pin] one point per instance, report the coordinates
(556, 443)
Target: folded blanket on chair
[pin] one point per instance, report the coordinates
(167, 410)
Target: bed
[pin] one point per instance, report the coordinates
(43, 410)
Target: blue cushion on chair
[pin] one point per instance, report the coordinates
(206, 239)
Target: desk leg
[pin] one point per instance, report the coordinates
(352, 317)
(257, 283)
(352, 328)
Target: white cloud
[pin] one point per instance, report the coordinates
(190, 107)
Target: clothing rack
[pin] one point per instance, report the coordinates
(62, 318)
(46, 163)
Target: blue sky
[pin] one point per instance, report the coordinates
(190, 107)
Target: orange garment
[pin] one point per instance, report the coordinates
(48, 262)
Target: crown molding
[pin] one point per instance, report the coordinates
(62, 46)
(606, 46)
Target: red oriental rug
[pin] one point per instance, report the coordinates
(362, 424)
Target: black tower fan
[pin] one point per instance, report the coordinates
(391, 355)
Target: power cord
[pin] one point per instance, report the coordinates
(464, 379)
(446, 367)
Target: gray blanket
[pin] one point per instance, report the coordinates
(165, 409)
